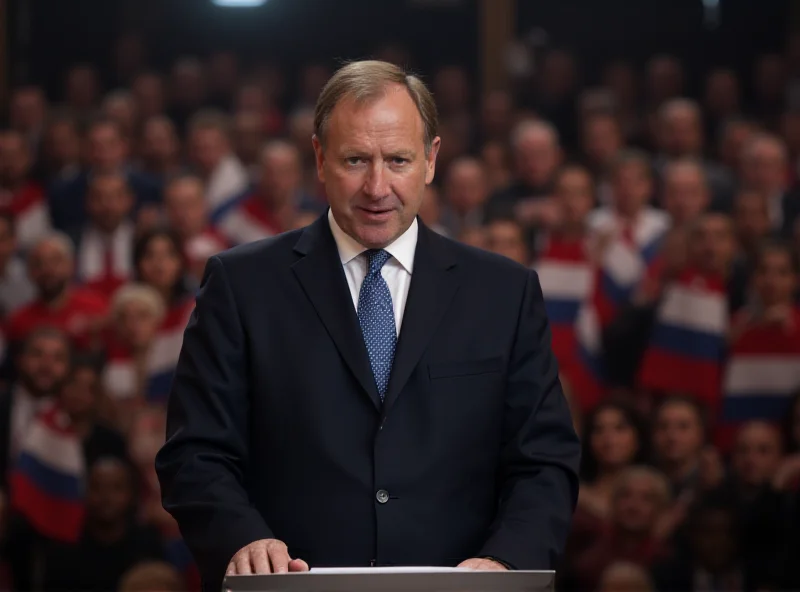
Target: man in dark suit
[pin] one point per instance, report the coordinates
(365, 391)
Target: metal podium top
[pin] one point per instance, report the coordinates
(395, 581)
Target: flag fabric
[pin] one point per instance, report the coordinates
(48, 478)
(687, 345)
(31, 213)
(248, 221)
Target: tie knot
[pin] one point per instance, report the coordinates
(376, 258)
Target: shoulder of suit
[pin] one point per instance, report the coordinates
(479, 261)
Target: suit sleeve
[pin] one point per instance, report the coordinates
(202, 465)
(538, 473)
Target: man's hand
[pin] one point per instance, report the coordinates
(264, 557)
(480, 563)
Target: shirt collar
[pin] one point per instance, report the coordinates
(403, 248)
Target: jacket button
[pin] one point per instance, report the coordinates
(382, 496)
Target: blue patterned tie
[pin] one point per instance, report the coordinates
(376, 317)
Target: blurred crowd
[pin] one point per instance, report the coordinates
(664, 223)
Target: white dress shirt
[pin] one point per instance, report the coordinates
(396, 271)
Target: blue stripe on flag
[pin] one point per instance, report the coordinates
(223, 209)
(754, 406)
(651, 249)
(616, 293)
(593, 363)
(685, 342)
(160, 385)
(561, 312)
(52, 482)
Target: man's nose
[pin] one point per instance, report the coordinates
(377, 183)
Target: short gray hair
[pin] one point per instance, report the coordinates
(59, 239)
(533, 126)
(139, 294)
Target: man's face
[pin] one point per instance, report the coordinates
(775, 279)
(50, 269)
(681, 133)
(715, 245)
(733, 142)
(466, 186)
(507, 239)
(109, 492)
(602, 140)
(149, 92)
(159, 142)
(281, 175)
(751, 217)
(106, 148)
(685, 194)
(677, 434)
(632, 186)
(108, 202)
(44, 364)
(574, 193)
(208, 147)
(636, 506)
(15, 159)
(62, 144)
(186, 207)
(374, 166)
(248, 137)
(27, 111)
(756, 454)
(764, 167)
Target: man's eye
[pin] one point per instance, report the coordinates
(353, 160)
(399, 160)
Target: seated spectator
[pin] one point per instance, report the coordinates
(20, 196)
(465, 193)
(105, 243)
(106, 152)
(160, 149)
(751, 222)
(506, 237)
(430, 212)
(639, 499)
(685, 193)
(602, 142)
(152, 576)
(111, 543)
(61, 150)
(212, 158)
(159, 263)
(148, 90)
(82, 89)
(187, 214)
(59, 303)
(495, 159)
(763, 367)
(272, 206)
(16, 288)
(614, 438)
(248, 140)
(120, 107)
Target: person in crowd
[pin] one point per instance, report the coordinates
(106, 152)
(496, 158)
(602, 141)
(188, 89)
(465, 193)
(16, 288)
(148, 90)
(248, 141)
(506, 236)
(160, 149)
(59, 301)
(120, 107)
(722, 99)
(20, 195)
(27, 114)
(496, 115)
(104, 247)
(685, 191)
(732, 137)
(61, 150)
(82, 89)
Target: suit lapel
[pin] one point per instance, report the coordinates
(321, 274)
(433, 285)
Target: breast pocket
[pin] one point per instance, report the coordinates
(465, 368)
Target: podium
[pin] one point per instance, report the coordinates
(407, 579)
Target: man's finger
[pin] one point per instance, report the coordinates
(298, 565)
(231, 571)
(260, 560)
(279, 559)
(243, 564)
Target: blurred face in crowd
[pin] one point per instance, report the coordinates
(248, 137)
(686, 194)
(677, 434)
(574, 193)
(495, 158)
(375, 167)
(185, 205)
(62, 144)
(251, 98)
(614, 441)
(109, 492)
(465, 185)
(80, 393)
(558, 76)
(537, 156)
(50, 268)
(602, 139)
(8, 243)
(664, 79)
(301, 129)
(136, 325)
(430, 211)
(121, 109)
(28, 109)
(15, 160)
(632, 185)
(83, 88)
(751, 216)
(160, 143)
(497, 111)
(713, 539)
(620, 77)
(109, 202)
(713, 244)
(723, 94)
(775, 279)
(475, 236)
(756, 453)
(636, 505)
(208, 147)
(680, 130)
(770, 77)
(451, 89)
(106, 149)
(506, 238)
(281, 174)
(162, 265)
(148, 89)
(735, 137)
(44, 364)
(188, 83)
(223, 71)
(764, 166)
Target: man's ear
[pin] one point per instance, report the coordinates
(430, 160)
(319, 157)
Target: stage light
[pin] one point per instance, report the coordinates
(239, 3)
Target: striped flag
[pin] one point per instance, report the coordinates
(48, 479)
(687, 345)
(248, 221)
(163, 355)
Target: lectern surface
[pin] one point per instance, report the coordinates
(395, 580)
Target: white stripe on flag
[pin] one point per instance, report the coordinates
(240, 228)
(623, 264)
(564, 280)
(762, 375)
(61, 453)
(587, 329)
(694, 310)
